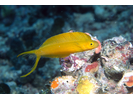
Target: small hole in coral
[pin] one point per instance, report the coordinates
(131, 61)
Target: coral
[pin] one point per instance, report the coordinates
(55, 83)
(28, 37)
(76, 61)
(85, 86)
(71, 63)
(63, 85)
(23, 28)
(3, 47)
(115, 57)
(4, 88)
(8, 15)
(127, 79)
(82, 19)
(100, 72)
(92, 67)
(129, 83)
(57, 26)
(79, 65)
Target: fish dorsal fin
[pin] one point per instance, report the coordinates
(67, 38)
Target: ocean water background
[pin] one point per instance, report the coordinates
(23, 28)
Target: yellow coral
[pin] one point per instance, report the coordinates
(84, 86)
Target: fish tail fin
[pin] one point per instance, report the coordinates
(34, 67)
(27, 52)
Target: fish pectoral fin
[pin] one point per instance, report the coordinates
(34, 67)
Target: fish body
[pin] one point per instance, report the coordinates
(61, 50)
(63, 45)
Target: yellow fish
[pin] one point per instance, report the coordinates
(63, 45)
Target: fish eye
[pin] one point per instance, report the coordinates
(91, 43)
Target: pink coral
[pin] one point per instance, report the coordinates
(92, 67)
(71, 63)
(127, 79)
(129, 83)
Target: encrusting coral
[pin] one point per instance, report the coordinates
(63, 85)
(85, 86)
(100, 70)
